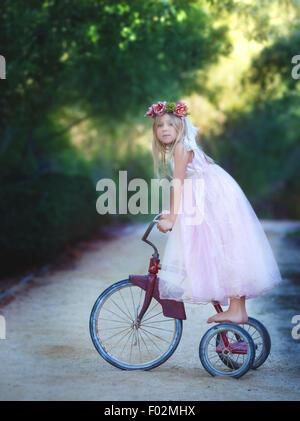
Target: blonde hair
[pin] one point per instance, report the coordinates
(160, 148)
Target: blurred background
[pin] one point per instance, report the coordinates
(81, 74)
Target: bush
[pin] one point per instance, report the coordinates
(40, 217)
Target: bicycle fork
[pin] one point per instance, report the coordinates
(147, 300)
(154, 266)
(149, 283)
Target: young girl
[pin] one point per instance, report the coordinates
(225, 253)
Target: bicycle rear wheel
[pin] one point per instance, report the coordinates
(232, 358)
(120, 341)
(261, 339)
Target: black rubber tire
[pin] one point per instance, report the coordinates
(240, 371)
(262, 330)
(92, 325)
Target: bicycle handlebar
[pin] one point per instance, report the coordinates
(152, 223)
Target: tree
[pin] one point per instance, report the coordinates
(101, 57)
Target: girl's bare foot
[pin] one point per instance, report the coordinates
(236, 312)
(229, 316)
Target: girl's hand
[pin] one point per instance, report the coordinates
(165, 224)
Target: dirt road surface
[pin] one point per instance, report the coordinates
(48, 353)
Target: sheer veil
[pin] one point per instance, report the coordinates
(190, 138)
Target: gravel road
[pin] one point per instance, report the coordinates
(48, 353)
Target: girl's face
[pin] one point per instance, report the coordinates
(166, 130)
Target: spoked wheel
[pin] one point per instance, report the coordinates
(123, 342)
(233, 343)
(261, 339)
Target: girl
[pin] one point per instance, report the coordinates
(221, 253)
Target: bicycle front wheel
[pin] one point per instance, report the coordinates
(120, 341)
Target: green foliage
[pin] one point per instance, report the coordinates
(108, 58)
(255, 16)
(261, 150)
(40, 217)
(272, 69)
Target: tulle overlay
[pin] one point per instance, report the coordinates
(220, 249)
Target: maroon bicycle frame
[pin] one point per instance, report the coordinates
(175, 309)
(149, 283)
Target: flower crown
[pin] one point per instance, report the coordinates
(179, 109)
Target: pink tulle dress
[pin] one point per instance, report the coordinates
(217, 248)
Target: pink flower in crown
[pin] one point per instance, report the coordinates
(180, 109)
(159, 108)
(150, 112)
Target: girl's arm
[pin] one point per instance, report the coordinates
(181, 159)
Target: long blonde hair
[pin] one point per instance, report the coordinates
(160, 148)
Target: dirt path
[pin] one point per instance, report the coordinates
(48, 354)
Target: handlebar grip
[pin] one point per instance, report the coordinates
(144, 238)
(156, 217)
(155, 220)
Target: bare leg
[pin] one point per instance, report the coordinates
(236, 312)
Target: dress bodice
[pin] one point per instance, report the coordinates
(196, 167)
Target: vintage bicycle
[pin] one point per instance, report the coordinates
(133, 329)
